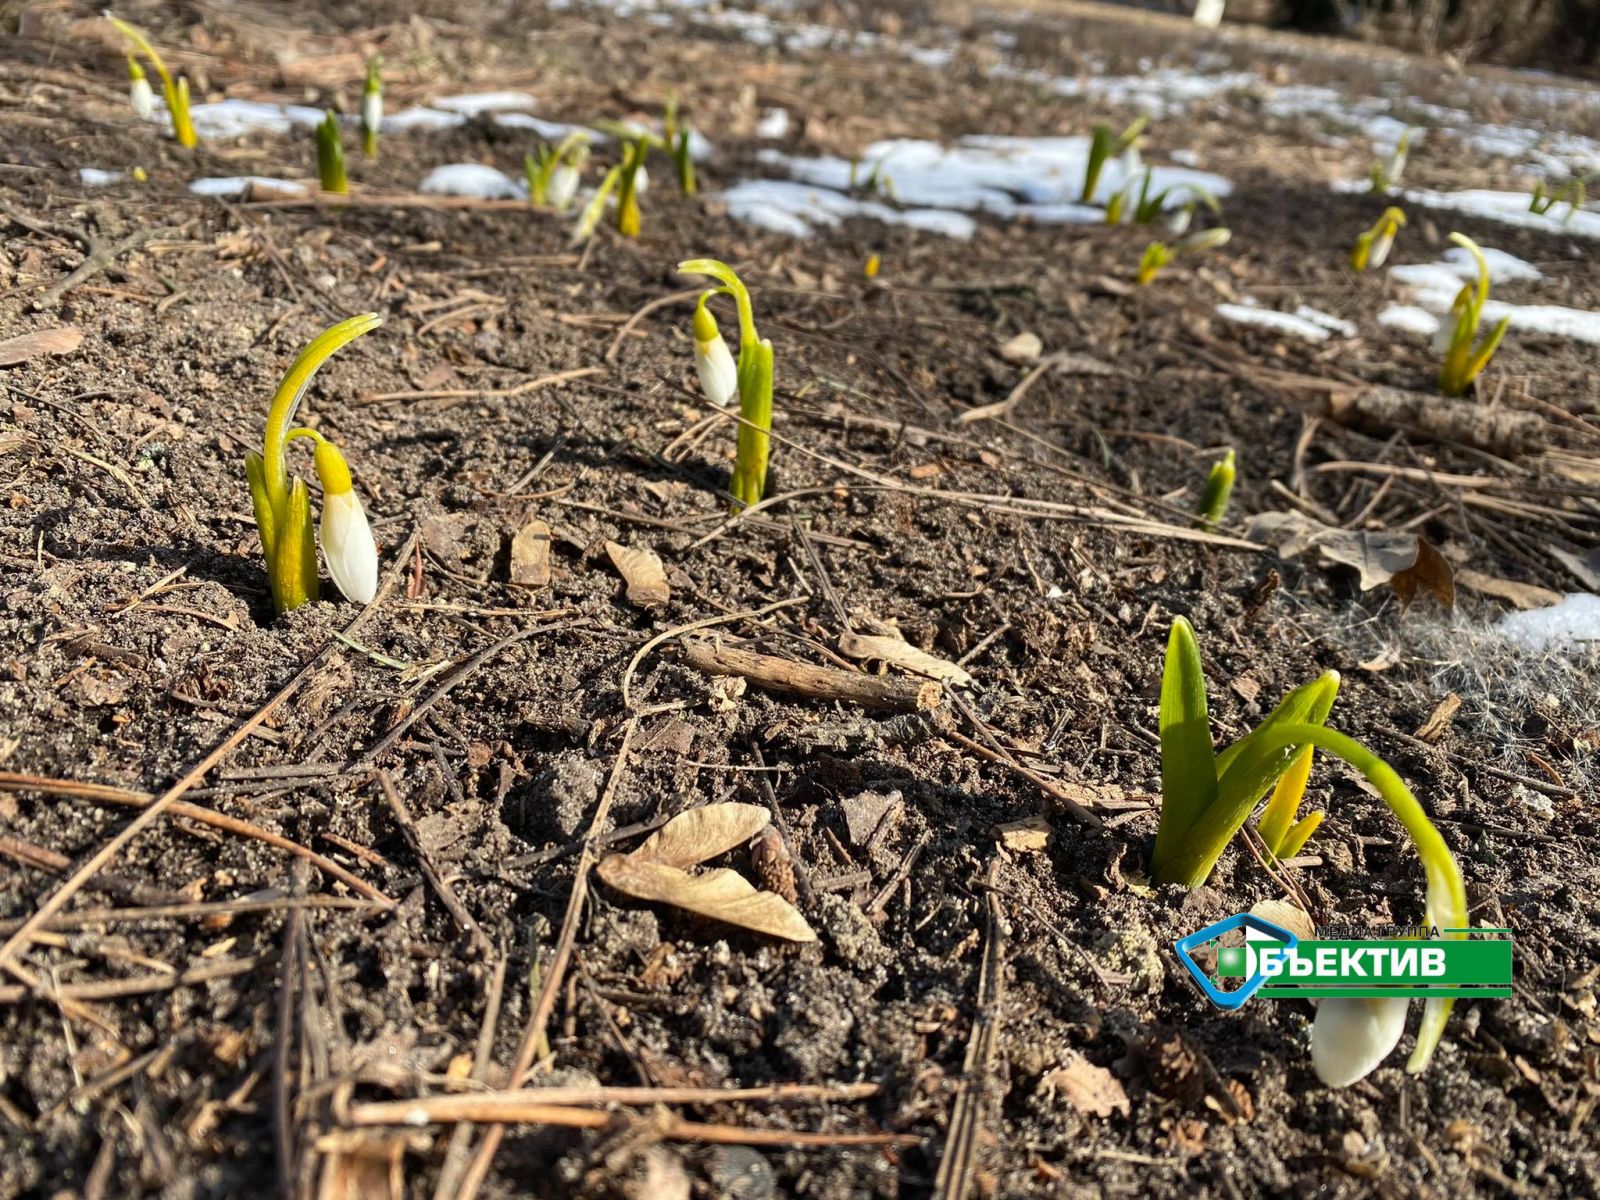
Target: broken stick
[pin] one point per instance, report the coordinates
(817, 683)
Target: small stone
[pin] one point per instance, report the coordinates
(1024, 348)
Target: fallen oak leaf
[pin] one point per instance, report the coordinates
(720, 894)
(701, 834)
(1088, 1088)
(899, 653)
(643, 573)
(62, 340)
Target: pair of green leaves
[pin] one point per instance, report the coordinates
(1465, 357)
(1104, 146)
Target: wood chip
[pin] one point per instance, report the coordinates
(1088, 1088)
(701, 834)
(530, 555)
(720, 894)
(1438, 722)
(63, 340)
(642, 570)
(904, 655)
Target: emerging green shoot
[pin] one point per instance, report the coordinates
(1103, 147)
(1574, 192)
(589, 219)
(330, 156)
(1372, 246)
(1465, 356)
(877, 182)
(1158, 254)
(554, 172)
(283, 508)
(675, 136)
(372, 107)
(1385, 176)
(631, 184)
(1219, 490)
(1139, 206)
(1206, 797)
(139, 93)
(1283, 834)
(753, 376)
(176, 92)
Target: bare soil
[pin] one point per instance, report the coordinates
(136, 634)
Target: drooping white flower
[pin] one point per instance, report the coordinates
(713, 361)
(641, 181)
(1352, 1035)
(139, 93)
(347, 543)
(563, 186)
(1380, 246)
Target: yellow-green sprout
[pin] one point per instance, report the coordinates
(1143, 207)
(676, 137)
(176, 91)
(1206, 797)
(589, 219)
(372, 107)
(754, 379)
(873, 264)
(1283, 835)
(1465, 356)
(1372, 246)
(1103, 147)
(554, 172)
(1575, 192)
(630, 183)
(283, 507)
(877, 183)
(1158, 254)
(330, 156)
(1219, 490)
(1384, 176)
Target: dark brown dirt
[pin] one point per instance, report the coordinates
(136, 634)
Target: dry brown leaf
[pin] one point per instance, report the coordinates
(1027, 836)
(898, 653)
(720, 894)
(1088, 1088)
(701, 834)
(641, 569)
(63, 340)
(530, 555)
(1523, 595)
(1408, 563)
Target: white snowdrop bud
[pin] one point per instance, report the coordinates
(713, 362)
(1352, 1035)
(139, 93)
(347, 544)
(563, 186)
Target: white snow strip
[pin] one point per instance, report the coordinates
(1266, 318)
(238, 185)
(1509, 208)
(797, 209)
(1327, 320)
(235, 118)
(474, 103)
(95, 177)
(1408, 318)
(1568, 625)
(552, 131)
(471, 179)
(422, 118)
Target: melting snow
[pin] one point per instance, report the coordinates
(238, 185)
(1327, 320)
(1408, 318)
(1509, 208)
(1433, 288)
(774, 124)
(235, 118)
(481, 102)
(95, 177)
(1267, 318)
(1567, 625)
(470, 179)
(796, 209)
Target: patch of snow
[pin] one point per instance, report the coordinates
(551, 131)
(421, 118)
(1267, 318)
(95, 177)
(1408, 318)
(235, 118)
(473, 103)
(1509, 208)
(1327, 320)
(774, 124)
(797, 209)
(238, 185)
(471, 179)
(1567, 625)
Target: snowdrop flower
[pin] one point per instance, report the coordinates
(139, 93)
(347, 542)
(563, 186)
(1352, 1035)
(641, 181)
(371, 108)
(1373, 245)
(713, 362)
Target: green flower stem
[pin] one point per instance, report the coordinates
(755, 384)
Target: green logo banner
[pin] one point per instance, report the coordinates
(1410, 967)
